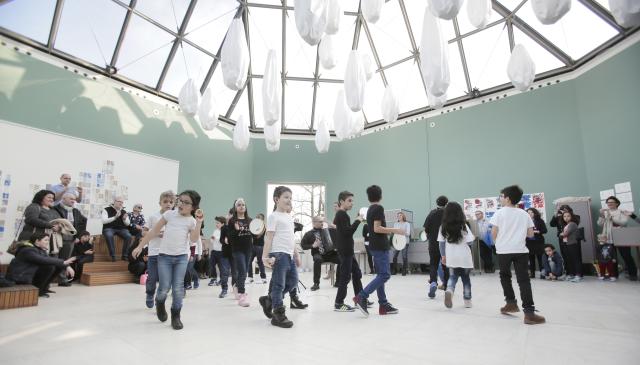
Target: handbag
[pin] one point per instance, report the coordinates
(13, 247)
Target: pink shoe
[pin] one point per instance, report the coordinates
(244, 300)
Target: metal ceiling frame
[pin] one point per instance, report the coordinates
(55, 25)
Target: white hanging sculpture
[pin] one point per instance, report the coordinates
(355, 81)
(207, 112)
(271, 91)
(327, 53)
(434, 56)
(550, 11)
(323, 138)
(341, 117)
(189, 97)
(445, 9)
(311, 19)
(521, 69)
(357, 124)
(371, 9)
(367, 63)
(334, 15)
(626, 12)
(241, 135)
(390, 105)
(479, 12)
(436, 102)
(272, 137)
(235, 56)
(273, 147)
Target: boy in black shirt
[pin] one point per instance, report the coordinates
(349, 268)
(83, 251)
(379, 246)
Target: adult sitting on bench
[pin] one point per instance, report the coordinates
(319, 240)
(32, 264)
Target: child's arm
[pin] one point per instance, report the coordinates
(379, 228)
(155, 232)
(268, 239)
(443, 252)
(494, 233)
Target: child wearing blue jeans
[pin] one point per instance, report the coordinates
(455, 239)
(280, 255)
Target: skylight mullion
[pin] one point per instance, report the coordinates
(463, 58)
(55, 24)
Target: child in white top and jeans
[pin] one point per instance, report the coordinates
(455, 239)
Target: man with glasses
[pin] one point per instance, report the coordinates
(65, 187)
(115, 222)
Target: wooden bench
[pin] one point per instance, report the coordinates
(108, 278)
(18, 296)
(102, 271)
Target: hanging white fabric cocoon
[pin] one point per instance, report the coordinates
(273, 147)
(272, 137)
(235, 56)
(207, 112)
(479, 12)
(445, 9)
(357, 124)
(390, 105)
(323, 138)
(189, 97)
(355, 81)
(341, 117)
(241, 135)
(436, 102)
(434, 56)
(311, 19)
(371, 9)
(327, 53)
(521, 69)
(626, 12)
(367, 63)
(334, 15)
(271, 89)
(550, 11)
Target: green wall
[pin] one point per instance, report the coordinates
(571, 139)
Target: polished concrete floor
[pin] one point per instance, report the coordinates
(591, 322)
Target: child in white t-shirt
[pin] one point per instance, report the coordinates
(216, 251)
(280, 254)
(455, 239)
(511, 227)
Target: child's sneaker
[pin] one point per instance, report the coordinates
(387, 308)
(448, 299)
(369, 304)
(600, 277)
(188, 287)
(264, 281)
(343, 308)
(613, 278)
(196, 285)
(432, 290)
(149, 301)
(576, 279)
(223, 293)
(213, 282)
(569, 277)
(467, 303)
(361, 304)
(265, 303)
(244, 300)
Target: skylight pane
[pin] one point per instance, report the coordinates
(389, 35)
(169, 13)
(31, 18)
(544, 60)
(242, 108)
(301, 57)
(326, 102)
(373, 99)
(257, 103)
(210, 22)
(342, 44)
(187, 63)
(458, 86)
(463, 20)
(265, 28)
(415, 12)
(299, 98)
(144, 52)
(90, 38)
(222, 94)
(405, 77)
(487, 55)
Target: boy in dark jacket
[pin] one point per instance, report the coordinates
(32, 264)
(83, 251)
(553, 265)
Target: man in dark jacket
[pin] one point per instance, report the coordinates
(32, 264)
(66, 209)
(432, 227)
(320, 241)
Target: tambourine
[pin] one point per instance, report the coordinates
(399, 242)
(256, 226)
(423, 236)
(363, 212)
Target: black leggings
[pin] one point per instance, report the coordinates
(574, 264)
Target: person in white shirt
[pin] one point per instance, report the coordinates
(216, 252)
(167, 200)
(455, 239)
(511, 226)
(404, 225)
(115, 222)
(280, 254)
(487, 249)
(181, 228)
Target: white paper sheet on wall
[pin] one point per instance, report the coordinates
(604, 194)
(625, 197)
(603, 204)
(623, 187)
(627, 206)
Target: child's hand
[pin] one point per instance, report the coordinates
(268, 261)
(199, 215)
(444, 260)
(296, 259)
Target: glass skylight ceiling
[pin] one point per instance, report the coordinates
(157, 45)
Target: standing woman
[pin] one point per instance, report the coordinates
(611, 217)
(38, 215)
(406, 227)
(181, 228)
(535, 244)
(241, 241)
(558, 222)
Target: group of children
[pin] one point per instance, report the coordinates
(173, 233)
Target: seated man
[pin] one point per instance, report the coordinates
(32, 264)
(83, 252)
(320, 242)
(115, 222)
(66, 209)
(553, 264)
(138, 266)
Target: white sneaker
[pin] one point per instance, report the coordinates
(576, 279)
(467, 303)
(600, 277)
(613, 278)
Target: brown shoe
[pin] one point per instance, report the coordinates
(532, 318)
(510, 308)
